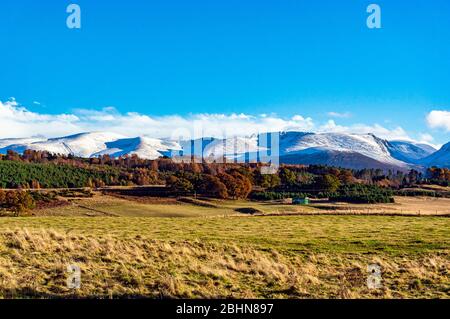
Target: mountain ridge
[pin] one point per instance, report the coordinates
(440, 158)
(336, 149)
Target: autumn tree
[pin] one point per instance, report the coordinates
(327, 183)
(288, 178)
(35, 184)
(346, 177)
(179, 185)
(212, 186)
(244, 185)
(267, 180)
(16, 201)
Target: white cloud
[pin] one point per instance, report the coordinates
(426, 138)
(17, 121)
(344, 115)
(439, 119)
(378, 130)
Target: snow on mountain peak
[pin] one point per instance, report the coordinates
(94, 144)
(83, 144)
(409, 152)
(295, 147)
(365, 144)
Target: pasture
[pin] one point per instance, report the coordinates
(217, 252)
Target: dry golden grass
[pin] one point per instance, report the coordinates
(403, 206)
(105, 205)
(33, 264)
(122, 252)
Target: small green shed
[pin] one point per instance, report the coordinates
(300, 201)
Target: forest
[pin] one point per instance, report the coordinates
(35, 170)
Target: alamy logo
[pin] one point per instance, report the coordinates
(74, 277)
(374, 19)
(374, 279)
(227, 147)
(74, 19)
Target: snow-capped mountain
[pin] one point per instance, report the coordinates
(8, 142)
(82, 145)
(365, 144)
(94, 144)
(336, 149)
(143, 147)
(440, 158)
(216, 148)
(231, 146)
(410, 152)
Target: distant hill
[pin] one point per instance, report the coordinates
(335, 149)
(440, 158)
(410, 152)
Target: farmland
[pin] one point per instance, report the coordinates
(130, 206)
(168, 248)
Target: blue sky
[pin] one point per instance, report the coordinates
(314, 59)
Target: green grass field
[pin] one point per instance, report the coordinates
(101, 205)
(357, 234)
(258, 257)
(113, 206)
(172, 249)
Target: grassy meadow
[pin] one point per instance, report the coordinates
(105, 205)
(170, 249)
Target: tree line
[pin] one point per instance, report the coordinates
(38, 169)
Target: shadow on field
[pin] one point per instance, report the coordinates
(31, 293)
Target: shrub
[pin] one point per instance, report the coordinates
(363, 194)
(16, 201)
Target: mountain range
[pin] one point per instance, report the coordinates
(335, 149)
